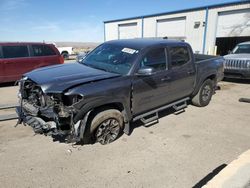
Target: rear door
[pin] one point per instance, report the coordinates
(182, 72)
(16, 61)
(44, 55)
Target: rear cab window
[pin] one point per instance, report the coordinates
(156, 59)
(15, 51)
(179, 56)
(42, 50)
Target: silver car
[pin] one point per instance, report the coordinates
(81, 56)
(237, 64)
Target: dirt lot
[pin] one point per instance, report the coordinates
(180, 151)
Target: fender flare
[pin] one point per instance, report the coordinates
(84, 114)
(202, 80)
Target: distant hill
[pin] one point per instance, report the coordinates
(77, 44)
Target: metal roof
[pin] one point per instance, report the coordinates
(183, 10)
(141, 43)
(24, 43)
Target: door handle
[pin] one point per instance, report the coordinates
(166, 78)
(191, 72)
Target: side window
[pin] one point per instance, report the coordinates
(155, 58)
(48, 50)
(15, 51)
(1, 55)
(42, 50)
(179, 56)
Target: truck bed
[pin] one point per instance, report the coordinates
(202, 57)
(208, 63)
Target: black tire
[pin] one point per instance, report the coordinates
(106, 126)
(203, 97)
(65, 55)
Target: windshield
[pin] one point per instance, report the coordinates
(111, 58)
(242, 49)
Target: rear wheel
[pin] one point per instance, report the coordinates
(203, 97)
(107, 126)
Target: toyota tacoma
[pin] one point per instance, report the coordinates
(119, 82)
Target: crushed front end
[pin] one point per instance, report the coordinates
(49, 114)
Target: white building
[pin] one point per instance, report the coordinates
(208, 29)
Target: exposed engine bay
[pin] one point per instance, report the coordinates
(49, 114)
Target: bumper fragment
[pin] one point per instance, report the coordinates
(49, 128)
(38, 124)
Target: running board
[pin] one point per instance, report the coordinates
(180, 108)
(152, 116)
(150, 119)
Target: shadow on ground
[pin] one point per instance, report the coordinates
(162, 114)
(210, 176)
(134, 125)
(237, 81)
(8, 84)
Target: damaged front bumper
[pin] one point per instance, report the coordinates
(38, 124)
(50, 127)
(48, 117)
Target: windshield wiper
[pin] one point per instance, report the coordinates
(96, 67)
(106, 70)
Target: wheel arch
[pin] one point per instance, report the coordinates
(113, 105)
(211, 76)
(64, 51)
(88, 114)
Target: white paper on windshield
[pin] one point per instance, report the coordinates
(128, 50)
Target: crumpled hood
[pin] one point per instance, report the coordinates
(238, 56)
(58, 78)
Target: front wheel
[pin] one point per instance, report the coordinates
(107, 126)
(203, 97)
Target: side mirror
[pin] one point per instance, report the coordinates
(229, 52)
(146, 71)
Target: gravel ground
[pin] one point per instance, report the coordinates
(179, 151)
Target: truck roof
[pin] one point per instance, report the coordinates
(143, 43)
(247, 42)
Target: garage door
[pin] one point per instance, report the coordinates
(128, 31)
(234, 23)
(172, 28)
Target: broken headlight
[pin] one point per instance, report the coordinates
(72, 99)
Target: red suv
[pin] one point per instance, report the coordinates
(19, 58)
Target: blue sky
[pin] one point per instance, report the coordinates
(76, 20)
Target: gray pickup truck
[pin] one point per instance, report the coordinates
(237, 63)
(119, 82)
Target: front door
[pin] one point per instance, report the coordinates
(150, 92)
